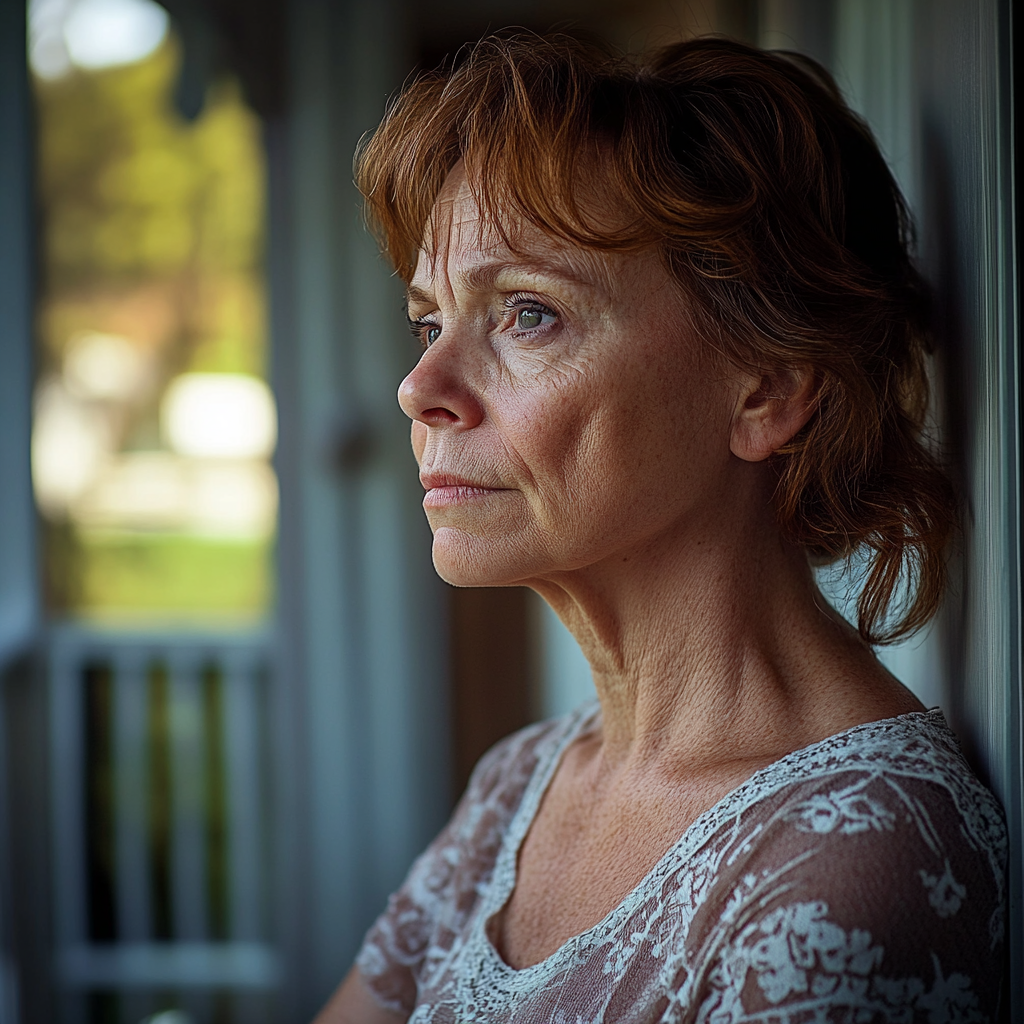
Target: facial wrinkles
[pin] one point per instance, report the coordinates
(470, 246)
(464, 274)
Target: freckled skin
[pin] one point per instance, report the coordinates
(625, 476)
(553, 418)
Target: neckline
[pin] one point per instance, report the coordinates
(695, 835)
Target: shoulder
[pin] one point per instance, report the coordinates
(503, 772)
(866, 871)
(876, 779)
(903, 775)
(438, 897)
(463, 854)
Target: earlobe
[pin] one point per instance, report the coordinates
(771, 410)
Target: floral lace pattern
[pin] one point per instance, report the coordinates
(860, 879)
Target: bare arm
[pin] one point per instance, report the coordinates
(353, 1003)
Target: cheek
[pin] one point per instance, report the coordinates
(418, 437)
(546, 423)
(649, 424)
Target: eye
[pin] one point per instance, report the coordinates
(426, 332)
(529, 314)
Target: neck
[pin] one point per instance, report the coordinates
(714, 644)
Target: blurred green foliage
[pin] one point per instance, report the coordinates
(132, 191)
(138, 204)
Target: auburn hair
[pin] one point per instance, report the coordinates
(771, 206)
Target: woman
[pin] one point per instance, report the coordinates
(673, 353)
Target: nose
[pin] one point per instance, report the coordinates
(438, 391)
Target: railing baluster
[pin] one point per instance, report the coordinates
(131, 767)
(67, 802)
(242, 768)
(188, 814)
(67, 773)
(177, 723)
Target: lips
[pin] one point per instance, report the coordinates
(447, 489)
(434, 480)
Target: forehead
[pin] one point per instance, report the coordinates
(462, 238)
(460, 230)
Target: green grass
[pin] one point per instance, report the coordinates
(121, 576)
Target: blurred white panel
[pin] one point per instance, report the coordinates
(219, 415)
(917, 661)
(48, 52)
(104, 366)
(161, 491)
(168, 1017)
(565, 680)
(71, 440)
(919, 664)
(104, 33)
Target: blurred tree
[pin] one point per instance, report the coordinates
(133, 195)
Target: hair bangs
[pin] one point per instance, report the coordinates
(539, 139)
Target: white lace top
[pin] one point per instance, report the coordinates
(860, 879)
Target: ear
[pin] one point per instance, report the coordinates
(771, 410)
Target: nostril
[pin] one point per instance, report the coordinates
(437, 417)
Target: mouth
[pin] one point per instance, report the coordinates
(446, 489)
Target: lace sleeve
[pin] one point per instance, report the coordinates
(430, 909)
(864, 897)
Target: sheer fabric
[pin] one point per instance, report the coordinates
(860, 879)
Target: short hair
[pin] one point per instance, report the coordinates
(773, 209)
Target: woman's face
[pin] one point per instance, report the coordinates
(564, 414)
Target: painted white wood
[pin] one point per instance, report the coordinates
(136, 963)
(170, 965)
(131, 784)
(19, 589)
(67, 761)
(188, 797)
(243, 768)
(19, 585)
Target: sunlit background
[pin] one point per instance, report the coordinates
(153, 423)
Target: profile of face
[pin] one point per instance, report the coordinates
(565, 414)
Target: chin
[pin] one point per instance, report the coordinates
(465, 560)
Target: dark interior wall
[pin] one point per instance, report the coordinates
(439, 28)
(491, 671)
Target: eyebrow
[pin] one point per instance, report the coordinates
(485, 274)
(414, 294)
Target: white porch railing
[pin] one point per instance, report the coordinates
(161, 830)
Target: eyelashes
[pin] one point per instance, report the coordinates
(529, 313)
(528, 317)
(421, 329)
